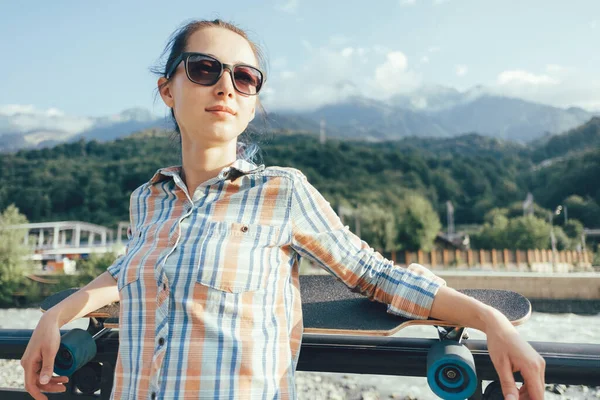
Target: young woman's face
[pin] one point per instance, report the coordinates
(190, 100)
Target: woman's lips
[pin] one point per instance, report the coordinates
(221, 114)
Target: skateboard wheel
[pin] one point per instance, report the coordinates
(493, 391)
(77, 348)
(451, 371)
(88, 378)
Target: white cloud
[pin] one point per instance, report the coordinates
(433, 49)
(558, 85)
(394, 77)
(521, 77)
(289, 6)
(331, 74)
(12, 109)
(347, 52)
(461, 70)
(425, 60)
(594, 24)
(26, 117)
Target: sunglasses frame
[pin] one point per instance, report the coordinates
(185, 56)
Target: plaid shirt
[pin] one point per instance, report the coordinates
(209, 288)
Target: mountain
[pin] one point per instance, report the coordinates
(577, 140)
(367, 119)
(433, 98)
(120, 125)
(510, 118)
(30, 129)
(431, 111)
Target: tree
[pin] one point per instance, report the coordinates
(493, 233)
(528, 232)
(418, 223)
(522, 233)
(378, 227)
(13, 253)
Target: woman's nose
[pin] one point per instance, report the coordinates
(225, 83)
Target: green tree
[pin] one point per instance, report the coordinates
(94, 266)
(573, 228)
(524, 232)
(13, 253)
(493, 233)
(585, 210)
(418, 223)
(528, 232)
(378, 227)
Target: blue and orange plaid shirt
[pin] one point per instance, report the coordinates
(209, 283)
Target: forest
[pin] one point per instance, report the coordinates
(390, 183)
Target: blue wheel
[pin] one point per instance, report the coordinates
(451, 371)
(77, 348)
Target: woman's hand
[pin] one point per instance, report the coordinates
(511, 353)
(38, 359)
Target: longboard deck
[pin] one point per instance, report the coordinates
(330, 307)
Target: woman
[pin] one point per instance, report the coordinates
(208, 287)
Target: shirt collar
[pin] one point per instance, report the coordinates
(242, 167)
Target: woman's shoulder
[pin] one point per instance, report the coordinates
(288, 172)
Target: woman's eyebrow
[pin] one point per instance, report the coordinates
(235, 62)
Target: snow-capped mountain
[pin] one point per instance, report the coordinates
(27, 127)
(431, 111)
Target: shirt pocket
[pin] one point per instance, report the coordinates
(236, 257)
(137, 249)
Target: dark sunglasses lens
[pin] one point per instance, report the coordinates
(247, 79)
(203, 70)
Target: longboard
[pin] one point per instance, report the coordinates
(330, 307)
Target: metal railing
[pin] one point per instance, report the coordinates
(566, 363)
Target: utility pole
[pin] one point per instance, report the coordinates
(552, 237)
(450, 216)
(528, 205)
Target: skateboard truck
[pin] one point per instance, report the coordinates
(451, 370)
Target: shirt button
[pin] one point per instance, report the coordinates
(164, 286)
(153, 395)
(244, 228)
(161, 341)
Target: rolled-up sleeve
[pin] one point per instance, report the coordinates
(115, 267)
(319, 234)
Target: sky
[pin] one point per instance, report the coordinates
(84, 58)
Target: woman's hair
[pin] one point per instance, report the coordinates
(177, 44)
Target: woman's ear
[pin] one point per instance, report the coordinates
(165, 92)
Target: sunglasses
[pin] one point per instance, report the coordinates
(206, 70)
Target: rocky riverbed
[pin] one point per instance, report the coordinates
(313, 385)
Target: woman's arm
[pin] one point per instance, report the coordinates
(96, 294)
(508, 350)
